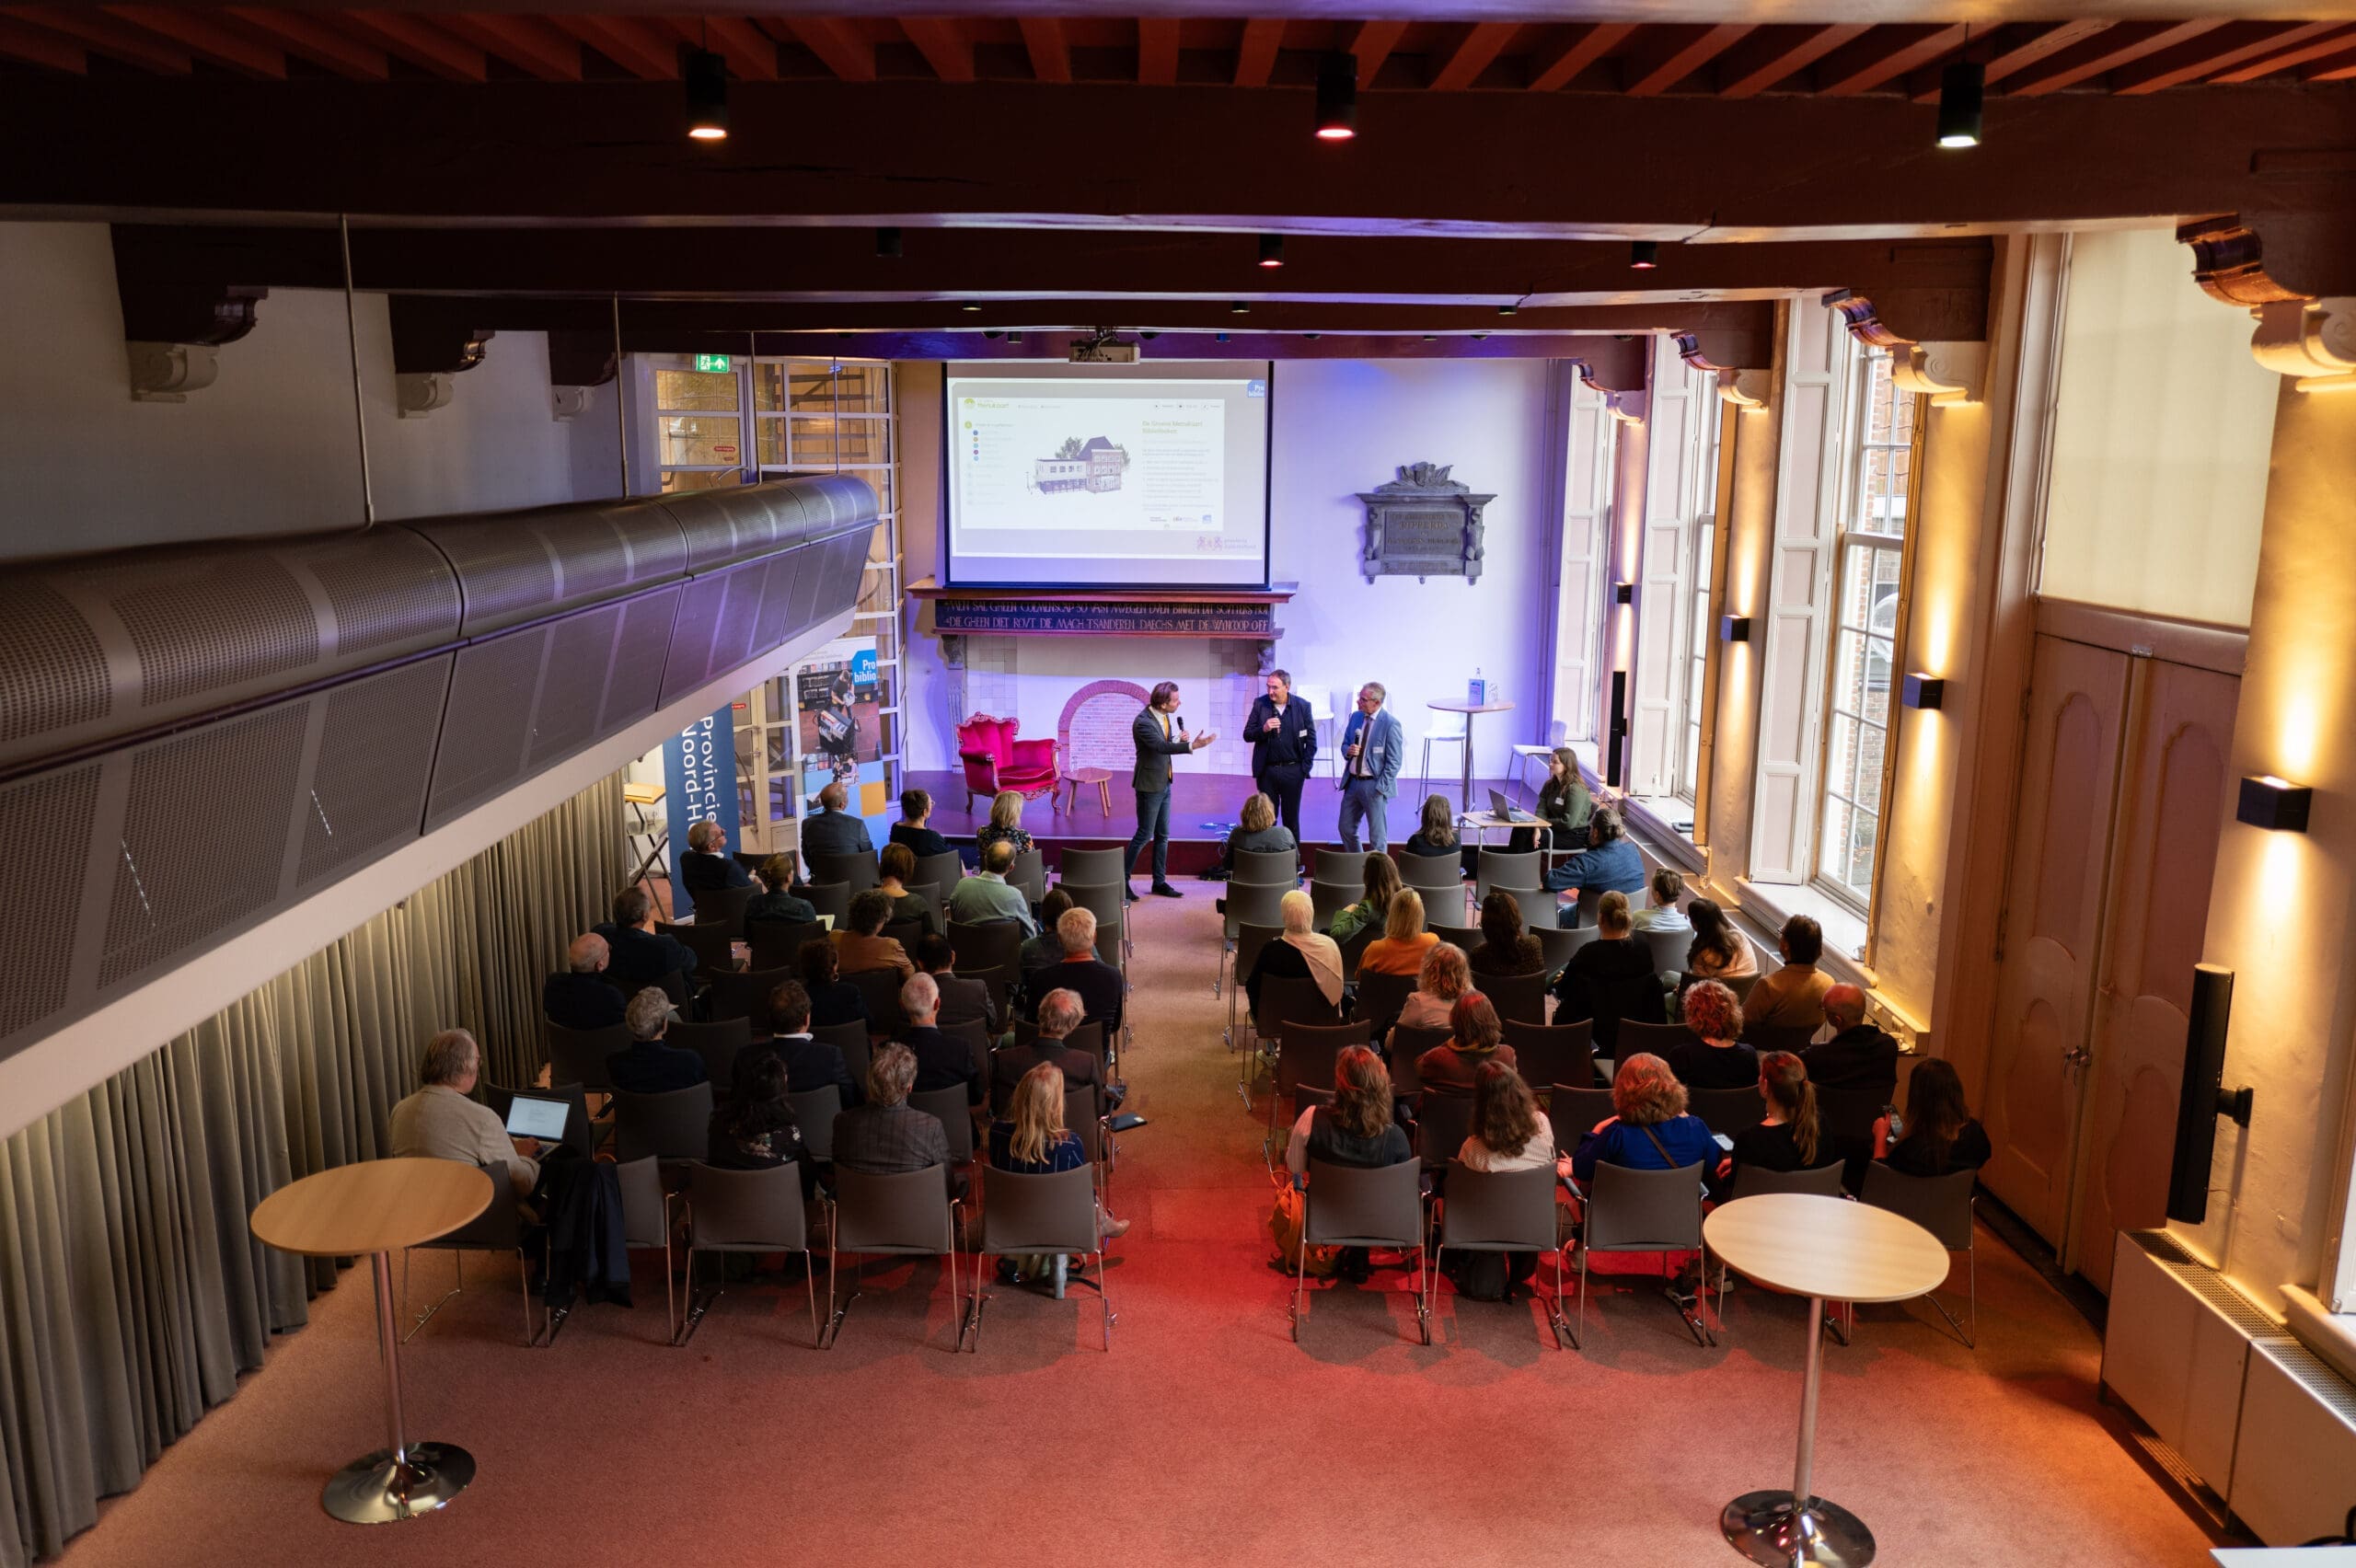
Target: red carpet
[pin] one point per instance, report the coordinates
(1205, 1435)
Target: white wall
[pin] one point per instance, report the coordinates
(268, 449)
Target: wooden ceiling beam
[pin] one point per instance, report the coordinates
(305, 37)
(1473, 53)
(104, 35)
(2127, 48)
(1157, 52)
(207, 40)
(1372, 45)
(1712, 42)
(1750, 80)
(37, 46)
(525, 42)
(833, 40)
(1923, 48)
(1255, 55)
(943, 44)
(417, 40)
(2017, 54)
(1561, 64)
(750, 53)
(1043, 37)
(2339, 43)
(624, 41)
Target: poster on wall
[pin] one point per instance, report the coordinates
(699, 784)
(835, 695)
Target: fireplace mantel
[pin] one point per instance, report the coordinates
(1243, 615)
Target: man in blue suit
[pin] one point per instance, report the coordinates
(1372, 748)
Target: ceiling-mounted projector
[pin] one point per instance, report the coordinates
(1103, 349)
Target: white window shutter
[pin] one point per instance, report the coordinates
(1586, 504)
(1672, 491)
(1818, 359)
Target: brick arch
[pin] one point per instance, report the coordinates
(1093, 730)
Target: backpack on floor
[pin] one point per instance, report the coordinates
(1285, 1223)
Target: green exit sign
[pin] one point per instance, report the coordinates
(715, 362)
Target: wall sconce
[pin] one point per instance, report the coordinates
(1926, 692)
(1734, 629)
(1623, 592)
(2275, 804)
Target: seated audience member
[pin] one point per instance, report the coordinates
(941, 1062)
(1356, 1130)
(1860, 1055)
(833, 999)
(915, 826)
(810, 1063)
(579, 999)
(1792, 996)
(442, 1121)
(1259, 830)
(1473, 1031)
(1060, 1012)
(1715, 1057)
(1400, 948)
(1506, 949)
(1300, 954)
(1938, 1136)
(1790, 1137)
(988, 895)
(647, 1065)
(1662, 913)
(1444, 977)
(1095, 982)
(1610, 978)
(754, 1128)
(1509, 1133)
(888, 1136)
(1649, 1129)
(900, 863)
(1717, 951)
(1609, 864)
(707, 866)
(1005, 826)
(1046, 948)
(860, 942)
(1563, 808)
(777, 900)
(962, 1000)
(1437, 835)
(831, 829)
(1032, 1140)
(637, 954)
(1374, 909)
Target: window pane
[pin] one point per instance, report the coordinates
(863, 389)
(814, 443)
(696, 391)
(772, 439)
(810, 388)
(677, 479)
(688, 439)
(864, 441)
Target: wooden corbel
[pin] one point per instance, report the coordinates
(1743, 387)
(1947, 372)
(2311, 339)
(430, 345)
(1615, 368)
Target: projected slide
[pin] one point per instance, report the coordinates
(1098, 477)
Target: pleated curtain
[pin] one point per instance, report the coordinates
(132, 1294)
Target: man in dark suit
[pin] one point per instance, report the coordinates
(649, 1067)
(810, 1063)
(641, 955)
(962, 1000)
(1060, 1012)
(941, 1062)
(1160, 735)
(1095, 982)
(707, 866)
(832, 830)
(1859, 1056)
(1373, 747)
(885, 1135)
(1283, 733)
(580, 999)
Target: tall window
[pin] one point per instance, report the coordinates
(1697, 655)
(699, 428)
(1870, 571)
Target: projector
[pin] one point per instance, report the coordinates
(1103, 349)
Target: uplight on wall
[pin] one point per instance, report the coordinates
(2273, 803)
(1925, 692)
(1734, 629)
(1623, 592)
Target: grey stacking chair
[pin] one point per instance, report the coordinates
(1285, 1002)
(1330, 899)
(830, 898)
(994, 944)
(851, 1039)
(906, 1213)
(1793, 1037)
(1579, 936)
(499, 1229)
(1506, 868)
(1645, 1210)
(1823, 1181)
(1573, 1112)
(1094, 866)
(1424, 872)
(1944, 1206)
(1029, 874)
(714, 948)
(1466, 938)
(1658, 1039)
(974, 1035)
(1556, 944)
(1510, 1211)
(1352, 1208)
(647, 1225)
(1306, 1054)
(1545, 1053)
(1726, 1111)
(1442, 1123)
(723, 907)
(907, 932)
(745, 1211)
(1080, 1116)
(744, 996)
(941, 870)
(776, 944)
(1521, 997)
(1000, 981)
(856, 870)
(1354, 949)
(1041, 1213)
(1249, 940)
(578, 1055)
(716, 1042)
(1252, 903)
(814, 1110)
(1668, 949)
(1380, 999)
(948, 1107)
(1103, 900)
(1407, 1047)
(1537, 907)
(881, 987)
(673, 1125)
(1264, 868)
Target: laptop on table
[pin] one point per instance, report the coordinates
(1502, 811)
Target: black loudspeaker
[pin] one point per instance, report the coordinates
(1618, 730)
(2203, 1097)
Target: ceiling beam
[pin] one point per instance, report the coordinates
(2207, 56)
(627, 42)
(833, 40)
(418, 41)
(524, 42)
(2125, 47)
(1055, 347)
(1157, 52)
(116, 41)
(1889, 63)
(1473, 53)
(750, 53)
(206, 38)
(1255, 54)
(1556, 67)
(1050, 56)
(36, 46)
(943, 45)
(1712, 42)
(306, 39)
(1751, 79)
(2015, 53)
(1372, 45)
(2317, 49)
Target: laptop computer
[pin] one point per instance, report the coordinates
(1503, 813)
(530, 1116)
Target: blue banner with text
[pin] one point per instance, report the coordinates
(700, 785)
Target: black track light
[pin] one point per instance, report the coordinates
(887, 243)
(1507, 309)
(1962, 86)
(1337, 97)
(707, 84)
(1239, 309)
(1272, 251)
(1644, 254)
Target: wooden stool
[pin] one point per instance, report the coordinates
(1100, 777)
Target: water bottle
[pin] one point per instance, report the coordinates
(1478, 692)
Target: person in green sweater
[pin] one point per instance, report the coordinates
(1382, 883)
(1564, 806)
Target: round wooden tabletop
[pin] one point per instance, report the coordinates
(1828, 1246)
(375, 1205)
(1472, 706)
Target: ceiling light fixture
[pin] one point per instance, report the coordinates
(1962, 87)
(969, 305)
(1014, 336)
(1272, 251)
(1644, 254)
(1239, 309)
(707, 83)
(1337, 97)
(1507, 309)
(887, 242)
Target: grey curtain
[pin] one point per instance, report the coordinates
(132, 1294)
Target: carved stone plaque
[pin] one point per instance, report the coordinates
(1421, 524)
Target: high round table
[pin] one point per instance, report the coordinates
(378, 1207)
(1469, 710)
(1824, 1248)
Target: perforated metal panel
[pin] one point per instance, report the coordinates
(367, 791)
(723, 527)
(700, 605)
(803, 577)
(634, 684)
(390, 591)
(214, 622)
(486, 723)
(776, 593)
(45, 824)
(52, 671)
(521, 566)
(204, 836)
(573, 685)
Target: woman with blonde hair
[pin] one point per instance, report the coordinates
(1790, 1138)
(1259, 830)
(1032, 1140)
(1444, 977)
(1650, 1129)
(1006, 822)
(1374, 909)
(1301, 954)
(1400, 948)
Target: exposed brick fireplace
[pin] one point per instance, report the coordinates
(1094, 729)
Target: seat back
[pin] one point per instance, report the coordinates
(997, 944)
(974, 1035)
(714, 948)
(904, 1211)
(1562, 1052)
(940, 871)
(1094, 866)
(580, 1134)
(578, 1055)
(1088, 1037)
(1380, 999)
(1668, 947)
(1000, 981)
(776, 944)
(1555, 943)
(1256, 904)
(991, 738)
(1354, 949)
(1726, 1111)
(947, 1106)
(1407, 1047)
(1576, 1112)
(745, 996)
(499, 1229)
(814, 1110)
(1645, 1211)
(1101, 899)
(830, 898)
(1345, 867)
(881, 989)
(746, 1211)
(1442, 1123)
(1264, 868)
(1080, 1115)
(1048, 1212)
(1846, 1113)
(1310, 1050)
(907, 931)
(1250, 937)
(1940, 1204)
(1330, 899)
(1793, 1037)
(1285, 1000)
(1516, 869)
(1824, 1182)
(850, 1039)
(1029, 874)
(646, 1217)
(716, 1042)
(1498, 1211)
(673, 1124)
(856, 871)
(1657, 1037)
(1350, 1206)
(723, 908)
(1466, 938)
(1427, 872)
(1521, 997)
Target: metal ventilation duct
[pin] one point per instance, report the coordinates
(197, 737)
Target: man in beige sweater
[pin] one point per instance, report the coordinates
(442, 1121)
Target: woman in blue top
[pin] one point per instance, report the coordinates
(1032, 1140)
(1652, 1130)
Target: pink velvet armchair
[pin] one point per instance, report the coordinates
(995, 760)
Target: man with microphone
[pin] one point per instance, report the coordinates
(1283, 733)
(1372, 748)
(1160, 734)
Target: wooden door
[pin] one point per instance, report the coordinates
(2054, 927)
(2164, 852)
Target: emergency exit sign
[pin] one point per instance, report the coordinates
(715, 362)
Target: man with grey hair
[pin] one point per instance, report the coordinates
(978, 900)
(1098, 984)
(442, 1121)
(579, 998)
(649, 1067)
(941, 1062)
(1373, 745)
(832, 830)
(888, 1136)
(641, 955)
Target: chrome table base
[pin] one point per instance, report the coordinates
(378, 1490)
(1765, 1528)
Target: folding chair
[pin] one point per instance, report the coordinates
(1521, 997)
(578, 1055)
(1645, 1211)
(776, 944)
(856, 871)
(1306, 1054)
(744, 996)
(905, 1213)
(1266, 868)
(1041, 1213)
(1510, 1211)
(672, 1126)
(1284, 1002)
(814, 1110)
(716, 1042)
(745, 1211)
(1348, 1207)
(1728, 1111)
(1249, 941)
(1094, 866)
(1547, 1054)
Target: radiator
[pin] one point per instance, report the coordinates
(2251, 1414)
